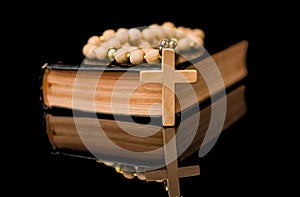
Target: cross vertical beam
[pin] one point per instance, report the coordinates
(168, 76)
(171, 164)
(168, 89)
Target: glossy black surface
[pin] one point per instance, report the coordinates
(241, 161)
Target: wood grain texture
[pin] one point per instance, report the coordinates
(168, 95)
(168, 76)
(161, 174)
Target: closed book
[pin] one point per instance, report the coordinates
(116, 89)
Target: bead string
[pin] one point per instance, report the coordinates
(136, 46)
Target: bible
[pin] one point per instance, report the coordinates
(118, 90)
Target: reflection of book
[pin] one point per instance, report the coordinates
(115, 92)
(63, 132)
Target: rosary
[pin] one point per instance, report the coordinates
(142, 45)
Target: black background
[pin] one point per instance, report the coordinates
(245, 158)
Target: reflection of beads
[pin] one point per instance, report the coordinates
(127, 171)
(134, 46)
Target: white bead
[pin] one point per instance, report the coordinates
(168, 28)
(127, 46)
(148, 34)
(199, 32)
(120, 30)
(122, 37)
(88, 51)
(113, 42)
(145, 44)
(168, 24)
(183, 44)
(101, 52)
(152, 56)
(180, 32)
(135, 35)
(136, 56)
(121, 56)
(157, 31)
(107, 34)
(94, 40)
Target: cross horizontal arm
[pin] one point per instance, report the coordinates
(155, 76)
(186, 171)
(186, 76)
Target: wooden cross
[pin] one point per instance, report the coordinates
(168, 76)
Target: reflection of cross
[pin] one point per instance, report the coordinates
(168, 76)
(171, 173)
